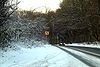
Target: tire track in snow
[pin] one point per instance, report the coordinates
(87, 52)
(85, 61)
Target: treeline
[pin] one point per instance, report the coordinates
(76, 21)
(19, 26)
(30, 15)
(22, 28)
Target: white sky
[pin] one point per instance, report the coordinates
(32, 4)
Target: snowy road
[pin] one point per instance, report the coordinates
(87, 58)
(95, 48)
(92, 51)
(46, 56)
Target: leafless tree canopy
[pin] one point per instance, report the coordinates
(7, 7)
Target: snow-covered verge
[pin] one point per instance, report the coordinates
(93, 45)
(44, 56)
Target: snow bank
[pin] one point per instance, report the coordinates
(84, 45)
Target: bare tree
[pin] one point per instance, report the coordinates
(7, 8)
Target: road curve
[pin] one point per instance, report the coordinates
(86, 61)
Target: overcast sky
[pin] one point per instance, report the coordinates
(40, 4)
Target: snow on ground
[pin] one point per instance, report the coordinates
(45, 56)
(85, 45)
